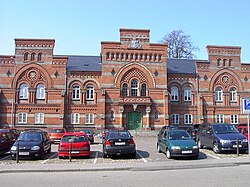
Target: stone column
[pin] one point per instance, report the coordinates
(121, 115)
(148, 109)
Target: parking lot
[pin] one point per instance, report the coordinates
(146, 152)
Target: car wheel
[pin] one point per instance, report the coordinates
(168, 154)
(200, 144)
(216, 148)
(133, 155)
(60, 157)
(158, 149)
(49, 150)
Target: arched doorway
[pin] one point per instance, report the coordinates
(134, 120)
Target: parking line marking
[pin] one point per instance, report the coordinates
(5, 157)
(213, 156)
(144, 160)
(95, 160)
(49, 158)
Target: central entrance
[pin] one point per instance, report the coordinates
(134, 120)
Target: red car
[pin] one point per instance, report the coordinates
(80, 145)
(56, 134)
(243, 130)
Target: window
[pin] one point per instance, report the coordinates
(233, 94)
(33, 56)
(89, 119)
(218, 62)
(112, 115)
(175, 119)
(40, 91)
(156, 114)
(187, 94)
(188, 118)
(134, 87)
(90, 92)
(75, 118)
(143, 90)
(174, 93)
(218, 94)
(39, 118)
(125, 89)
(39, 57)
(23, 92)
(22, 117)
(26, 56)
(234, 119)
(219, 118)
(75, 92)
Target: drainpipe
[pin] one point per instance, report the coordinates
(13, 95)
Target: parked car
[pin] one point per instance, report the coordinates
(243, 130)
(14, 132)
(118, 142)
(6, 141)
(56, 134)
(194, 131)
(80, 145)
(221, 137)
(32, 143)
(88, 133)
(176, 143)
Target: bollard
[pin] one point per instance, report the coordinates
(238, 151)
(17, 153)
(70, 148)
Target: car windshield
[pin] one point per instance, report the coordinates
(30, 136)
(119, 134)
(224, 129)
(58, 131)
(178, 135)
(73, 138)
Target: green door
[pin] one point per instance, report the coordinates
(134, 121)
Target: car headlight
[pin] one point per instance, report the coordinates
(13, 148)
(35, 148)
(244, 140)
(224, 141)
(195, 147)
(175, 147)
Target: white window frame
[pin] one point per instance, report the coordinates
(187, 94)
(233, 95)
(75, 118)
(40, 91)
(39, 118)
(90, 92)
(22, 117)
(89, 118)
(188, 119)
(220, 118)
(174, 93)
(234, 119)
(175, 119)
(218, 94)
(134, 87)
(76, 92)
(23, 91)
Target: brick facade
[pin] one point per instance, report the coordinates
(132, 85)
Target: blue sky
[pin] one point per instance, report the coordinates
(79, 26)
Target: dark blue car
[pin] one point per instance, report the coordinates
(221, 137)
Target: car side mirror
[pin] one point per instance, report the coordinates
(208, 132)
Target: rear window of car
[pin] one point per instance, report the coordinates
(121, 134)
(58, 131)
(73, 138)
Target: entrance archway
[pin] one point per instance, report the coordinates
(134, 120)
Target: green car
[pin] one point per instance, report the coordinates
(176, 143)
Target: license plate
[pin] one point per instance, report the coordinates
(186, 152)
(24, 153)
(74, 152)
(235, 146)
(119, 143)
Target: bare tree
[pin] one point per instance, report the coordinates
(179, 45)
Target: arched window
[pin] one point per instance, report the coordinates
(75, 92)
(218, 94)
(39, 57)
(156, 114)
(125, 89)
(23, 91)
(224, 62)
(26, 56)
(134, 87)
(174, 94)
(107, 56)
(112, 115)
(187, 94)
(33, 56)
(40, 91)
(218, 62)
(90, 92)
(230, 62)
(143, 90)
(233, 94)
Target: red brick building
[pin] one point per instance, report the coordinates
(132, 85)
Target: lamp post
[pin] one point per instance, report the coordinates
(13, 94)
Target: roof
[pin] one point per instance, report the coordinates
(181, 66)
(84, 63)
